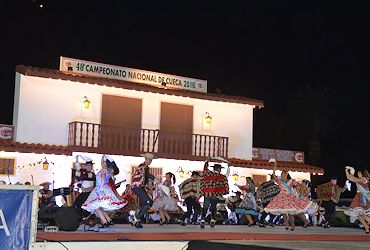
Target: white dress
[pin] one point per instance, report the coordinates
(104, 195)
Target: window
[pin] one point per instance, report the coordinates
(156, 171)
(7, 166)
(258, 179)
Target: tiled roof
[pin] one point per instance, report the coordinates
(56, 74)
(11, 146)
(263, 164)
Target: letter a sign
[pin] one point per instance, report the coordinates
(15, 217)
(3, 225)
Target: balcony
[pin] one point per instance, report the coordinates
(95, 138)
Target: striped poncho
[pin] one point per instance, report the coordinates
(190, 188)
(266, 192)
(214, 184)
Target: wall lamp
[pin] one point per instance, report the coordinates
(45, 164)
(208, 118)
(86, 102)
(235, 177)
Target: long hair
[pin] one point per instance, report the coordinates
(249, 178)
(172, 176)
(364, 173)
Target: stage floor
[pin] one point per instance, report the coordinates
(155, 232)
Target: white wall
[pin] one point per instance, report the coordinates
(46, 106)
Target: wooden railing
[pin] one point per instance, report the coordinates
(92, 137)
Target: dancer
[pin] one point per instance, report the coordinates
(360, 206)
(214, 185)
(232, 203)
(166, 198)
(84, 177)
(190, 191)
(248, 205)
(104, 196)
(265, 193)
(287, 201)
(139, 179)
(329, 194)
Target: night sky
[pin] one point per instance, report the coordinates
(308, 60)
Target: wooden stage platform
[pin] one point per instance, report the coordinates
(155, 232)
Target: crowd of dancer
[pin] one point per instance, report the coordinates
(279, 199)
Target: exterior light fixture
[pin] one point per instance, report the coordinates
(86, 102)
(181, 172)
(45, 164)
(235, 177)
(208, 118)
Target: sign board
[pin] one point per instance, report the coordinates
(71, 65)
(18, 216)
(6, 132)
(279, 155)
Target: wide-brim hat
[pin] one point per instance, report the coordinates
(111, 164)
(44, 183)
(108, 158)
(217, 166)
(219, 159)
(149, 156)
(87, 159)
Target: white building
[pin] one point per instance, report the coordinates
(124, 119)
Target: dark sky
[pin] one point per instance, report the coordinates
(271, 50)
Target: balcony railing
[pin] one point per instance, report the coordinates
(92, 137)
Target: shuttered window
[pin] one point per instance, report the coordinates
(156, 171)
(7, 166)
(258, 179)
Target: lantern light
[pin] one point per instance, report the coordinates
(181, 172)
(208, 118)
(86, 102)
(236, 177)
(45, 164)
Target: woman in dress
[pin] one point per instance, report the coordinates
(104, 196)
(131, 199)
(360, 206)
(287, 202)
(166, 198)
(248, 205)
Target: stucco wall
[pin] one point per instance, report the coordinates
(44, 107)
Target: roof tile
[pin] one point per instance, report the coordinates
(56, 74)
(263, 164)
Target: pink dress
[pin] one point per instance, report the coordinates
(359, 205)
(288, 202)
(104, 195)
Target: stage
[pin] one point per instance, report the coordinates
(155, 232)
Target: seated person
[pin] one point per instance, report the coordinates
(46, 198)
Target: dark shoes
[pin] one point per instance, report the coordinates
(109, 223)
(180, 222)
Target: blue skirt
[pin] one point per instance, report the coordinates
(246, 211)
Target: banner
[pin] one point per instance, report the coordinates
(6, 132)
(15, 218)
(71, 65)
(278, 154)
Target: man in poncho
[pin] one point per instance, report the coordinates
(190, 191)
(213, 187)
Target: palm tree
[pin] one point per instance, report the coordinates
(317, 110)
